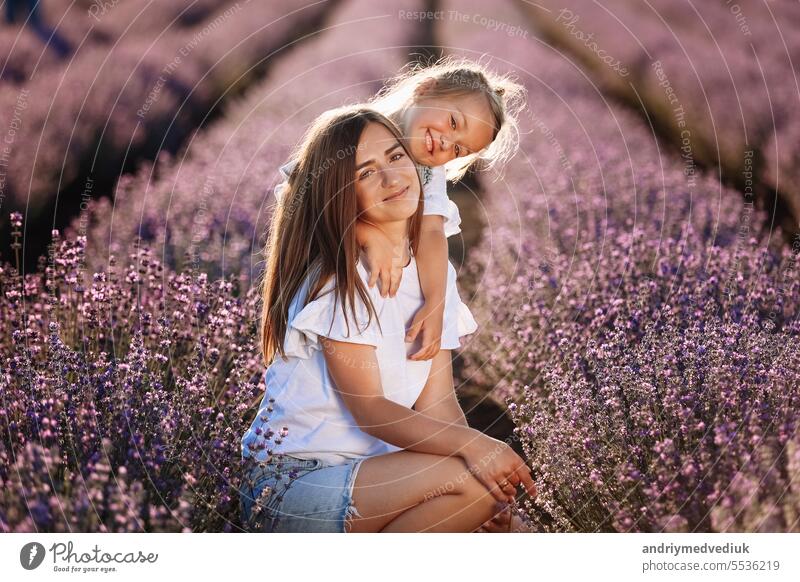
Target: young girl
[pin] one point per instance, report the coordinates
(375, 441)
(452, 114)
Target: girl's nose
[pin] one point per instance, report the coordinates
(448, 147)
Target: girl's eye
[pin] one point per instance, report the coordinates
(364, 174)
(457, 150)
(396, 156)
(452, 122)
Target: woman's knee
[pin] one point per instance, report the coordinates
(410, 478)
(464, 483)
(479, 498)
(474, 493)
(454, 478)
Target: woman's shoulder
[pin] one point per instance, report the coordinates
(326, 297)
(326, 315)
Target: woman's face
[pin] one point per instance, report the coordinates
(438, 130)
(386, 181)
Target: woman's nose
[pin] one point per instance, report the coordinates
(390, 177)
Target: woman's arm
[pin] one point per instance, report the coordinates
(355, 372)
(438, 398)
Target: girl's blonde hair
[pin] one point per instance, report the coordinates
(455, 77)
(312, 230)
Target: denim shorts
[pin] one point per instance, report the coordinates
(289, 494)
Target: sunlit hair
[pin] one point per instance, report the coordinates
(456, 77)
(312, 230)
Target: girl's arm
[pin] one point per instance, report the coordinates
(432, 267)
(382, 258)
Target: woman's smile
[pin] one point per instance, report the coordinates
(398, 196)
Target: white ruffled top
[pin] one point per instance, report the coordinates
(319, 424)
(434, 195)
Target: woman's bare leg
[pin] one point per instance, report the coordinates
(447, 513)
(411, 492)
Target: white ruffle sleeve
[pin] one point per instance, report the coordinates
(436, 200)
(319, 318)
(458, 319)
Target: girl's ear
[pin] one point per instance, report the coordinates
(424, 86)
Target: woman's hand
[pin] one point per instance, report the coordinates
(428, 321)
(498, 467)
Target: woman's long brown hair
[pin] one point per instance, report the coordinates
(312, 230)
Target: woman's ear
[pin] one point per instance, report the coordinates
(424, 86)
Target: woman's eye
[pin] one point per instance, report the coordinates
(397, 156)
(452, 122)
(457, 150)
(365, 174)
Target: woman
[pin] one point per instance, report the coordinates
(351, 435)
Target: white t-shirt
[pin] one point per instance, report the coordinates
(434, 194)
(319, 424)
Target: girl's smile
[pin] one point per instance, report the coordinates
(429, 141)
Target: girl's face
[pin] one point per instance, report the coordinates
(441, 129)
(386, 181)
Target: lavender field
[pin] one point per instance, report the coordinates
(633, 269)
(718, 78)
